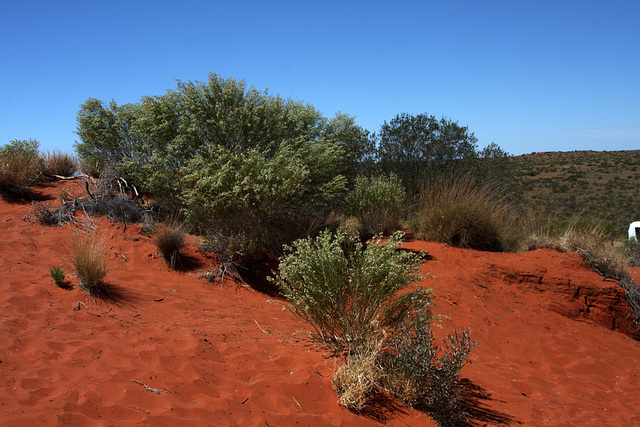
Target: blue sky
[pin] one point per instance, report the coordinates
(528, 75)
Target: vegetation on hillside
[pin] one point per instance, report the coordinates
(258, 175)
(595, 186)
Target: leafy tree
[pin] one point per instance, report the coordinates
(152, 141)
(230, 156)
(418, 147)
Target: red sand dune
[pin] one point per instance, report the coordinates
(555, 342)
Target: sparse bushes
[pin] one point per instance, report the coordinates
(464, 213)
(19, 165)
(89, 261)
(353, 297)
(378, 203)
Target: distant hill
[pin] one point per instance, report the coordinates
(595, 185)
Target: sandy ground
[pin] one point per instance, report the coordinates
(556, 345)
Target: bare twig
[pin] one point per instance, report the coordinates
(266, 332)
(146, 387)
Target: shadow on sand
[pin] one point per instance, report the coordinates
(470, 410)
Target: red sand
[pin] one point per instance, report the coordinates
(555, 342)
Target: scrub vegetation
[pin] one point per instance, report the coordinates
(261, 178)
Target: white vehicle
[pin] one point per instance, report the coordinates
(634, 230)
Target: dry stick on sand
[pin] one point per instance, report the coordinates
(266, 332)
(146, 387)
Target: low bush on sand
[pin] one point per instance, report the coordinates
(19, 165)
(248, 204)
(57, 274)
(355, 298)
(349, 292)
(169, 238)
(89, 261)
(461, 212)
(57, 163)
(378, 203)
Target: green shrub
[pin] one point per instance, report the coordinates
(421, 373)
(89, 261)
(250, 204)
(57, 274)
(248, 170)
(353, 296)
(19, 165)
(378, 203)
(349, 293)
(461, 212)
(153, 140)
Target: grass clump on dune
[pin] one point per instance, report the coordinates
(461, 212)
(56, 163)
(169, 238)
(89, 261)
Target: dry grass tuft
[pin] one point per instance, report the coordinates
(17, 171)
(170, 240)
(357, 380)
(89, 261)
(461, 212)
(59, 164)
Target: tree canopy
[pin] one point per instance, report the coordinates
(418, 147)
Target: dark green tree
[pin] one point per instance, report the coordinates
(420, 148)
(415, 147)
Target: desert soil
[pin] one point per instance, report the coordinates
(555, 341)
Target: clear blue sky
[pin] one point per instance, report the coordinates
(528, 75)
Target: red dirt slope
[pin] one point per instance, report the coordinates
(172, 348)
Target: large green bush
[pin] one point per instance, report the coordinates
(153, 140)
(248, 169)
(378, 203)
(248, 204)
